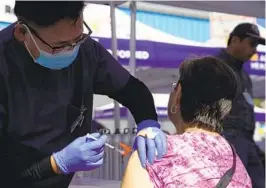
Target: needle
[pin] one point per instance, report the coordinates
(108, 145)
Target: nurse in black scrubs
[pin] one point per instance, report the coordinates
(49, 71)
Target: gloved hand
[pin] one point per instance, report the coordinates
(147, 147)
(82, 154)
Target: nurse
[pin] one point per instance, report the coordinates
(49, 71)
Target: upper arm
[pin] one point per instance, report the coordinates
(135, 175)
(110, 75)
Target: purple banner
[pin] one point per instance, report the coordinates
(165, 55)
(161, 111)
(256, 65)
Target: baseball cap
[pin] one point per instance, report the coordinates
(248, 30)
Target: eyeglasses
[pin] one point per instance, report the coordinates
(64, 47)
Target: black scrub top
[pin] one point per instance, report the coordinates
(39, 105)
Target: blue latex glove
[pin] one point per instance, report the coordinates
(82, 154)
(147, 147)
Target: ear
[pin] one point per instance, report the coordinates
(19, 32)
(178, 94)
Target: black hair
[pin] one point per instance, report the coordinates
(208, 89)
(47, 13)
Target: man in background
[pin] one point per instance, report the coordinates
(239, 126)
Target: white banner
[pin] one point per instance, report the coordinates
(98, 18)
(221, 25)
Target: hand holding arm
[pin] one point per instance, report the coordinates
(150, 140)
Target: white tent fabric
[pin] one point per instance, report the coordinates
(245, 8)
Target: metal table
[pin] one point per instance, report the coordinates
(88, 182)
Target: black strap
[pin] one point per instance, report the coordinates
(227, 177)
(81, 99)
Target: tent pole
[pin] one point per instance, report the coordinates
(132, 41)
(114, 50)
(132, 46)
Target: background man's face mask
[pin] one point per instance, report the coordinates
(56, 61)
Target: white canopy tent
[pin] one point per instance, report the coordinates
(247, 8)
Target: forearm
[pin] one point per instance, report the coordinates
(40, 170)
(26, 163)
(138, 99)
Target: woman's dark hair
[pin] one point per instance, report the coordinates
(208, 88)
(46, 13)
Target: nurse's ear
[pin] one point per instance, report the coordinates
(20, 32)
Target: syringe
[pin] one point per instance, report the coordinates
(108, 145)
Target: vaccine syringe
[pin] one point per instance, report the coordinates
(108, 145)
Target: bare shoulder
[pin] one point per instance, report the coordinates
(135, 175)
